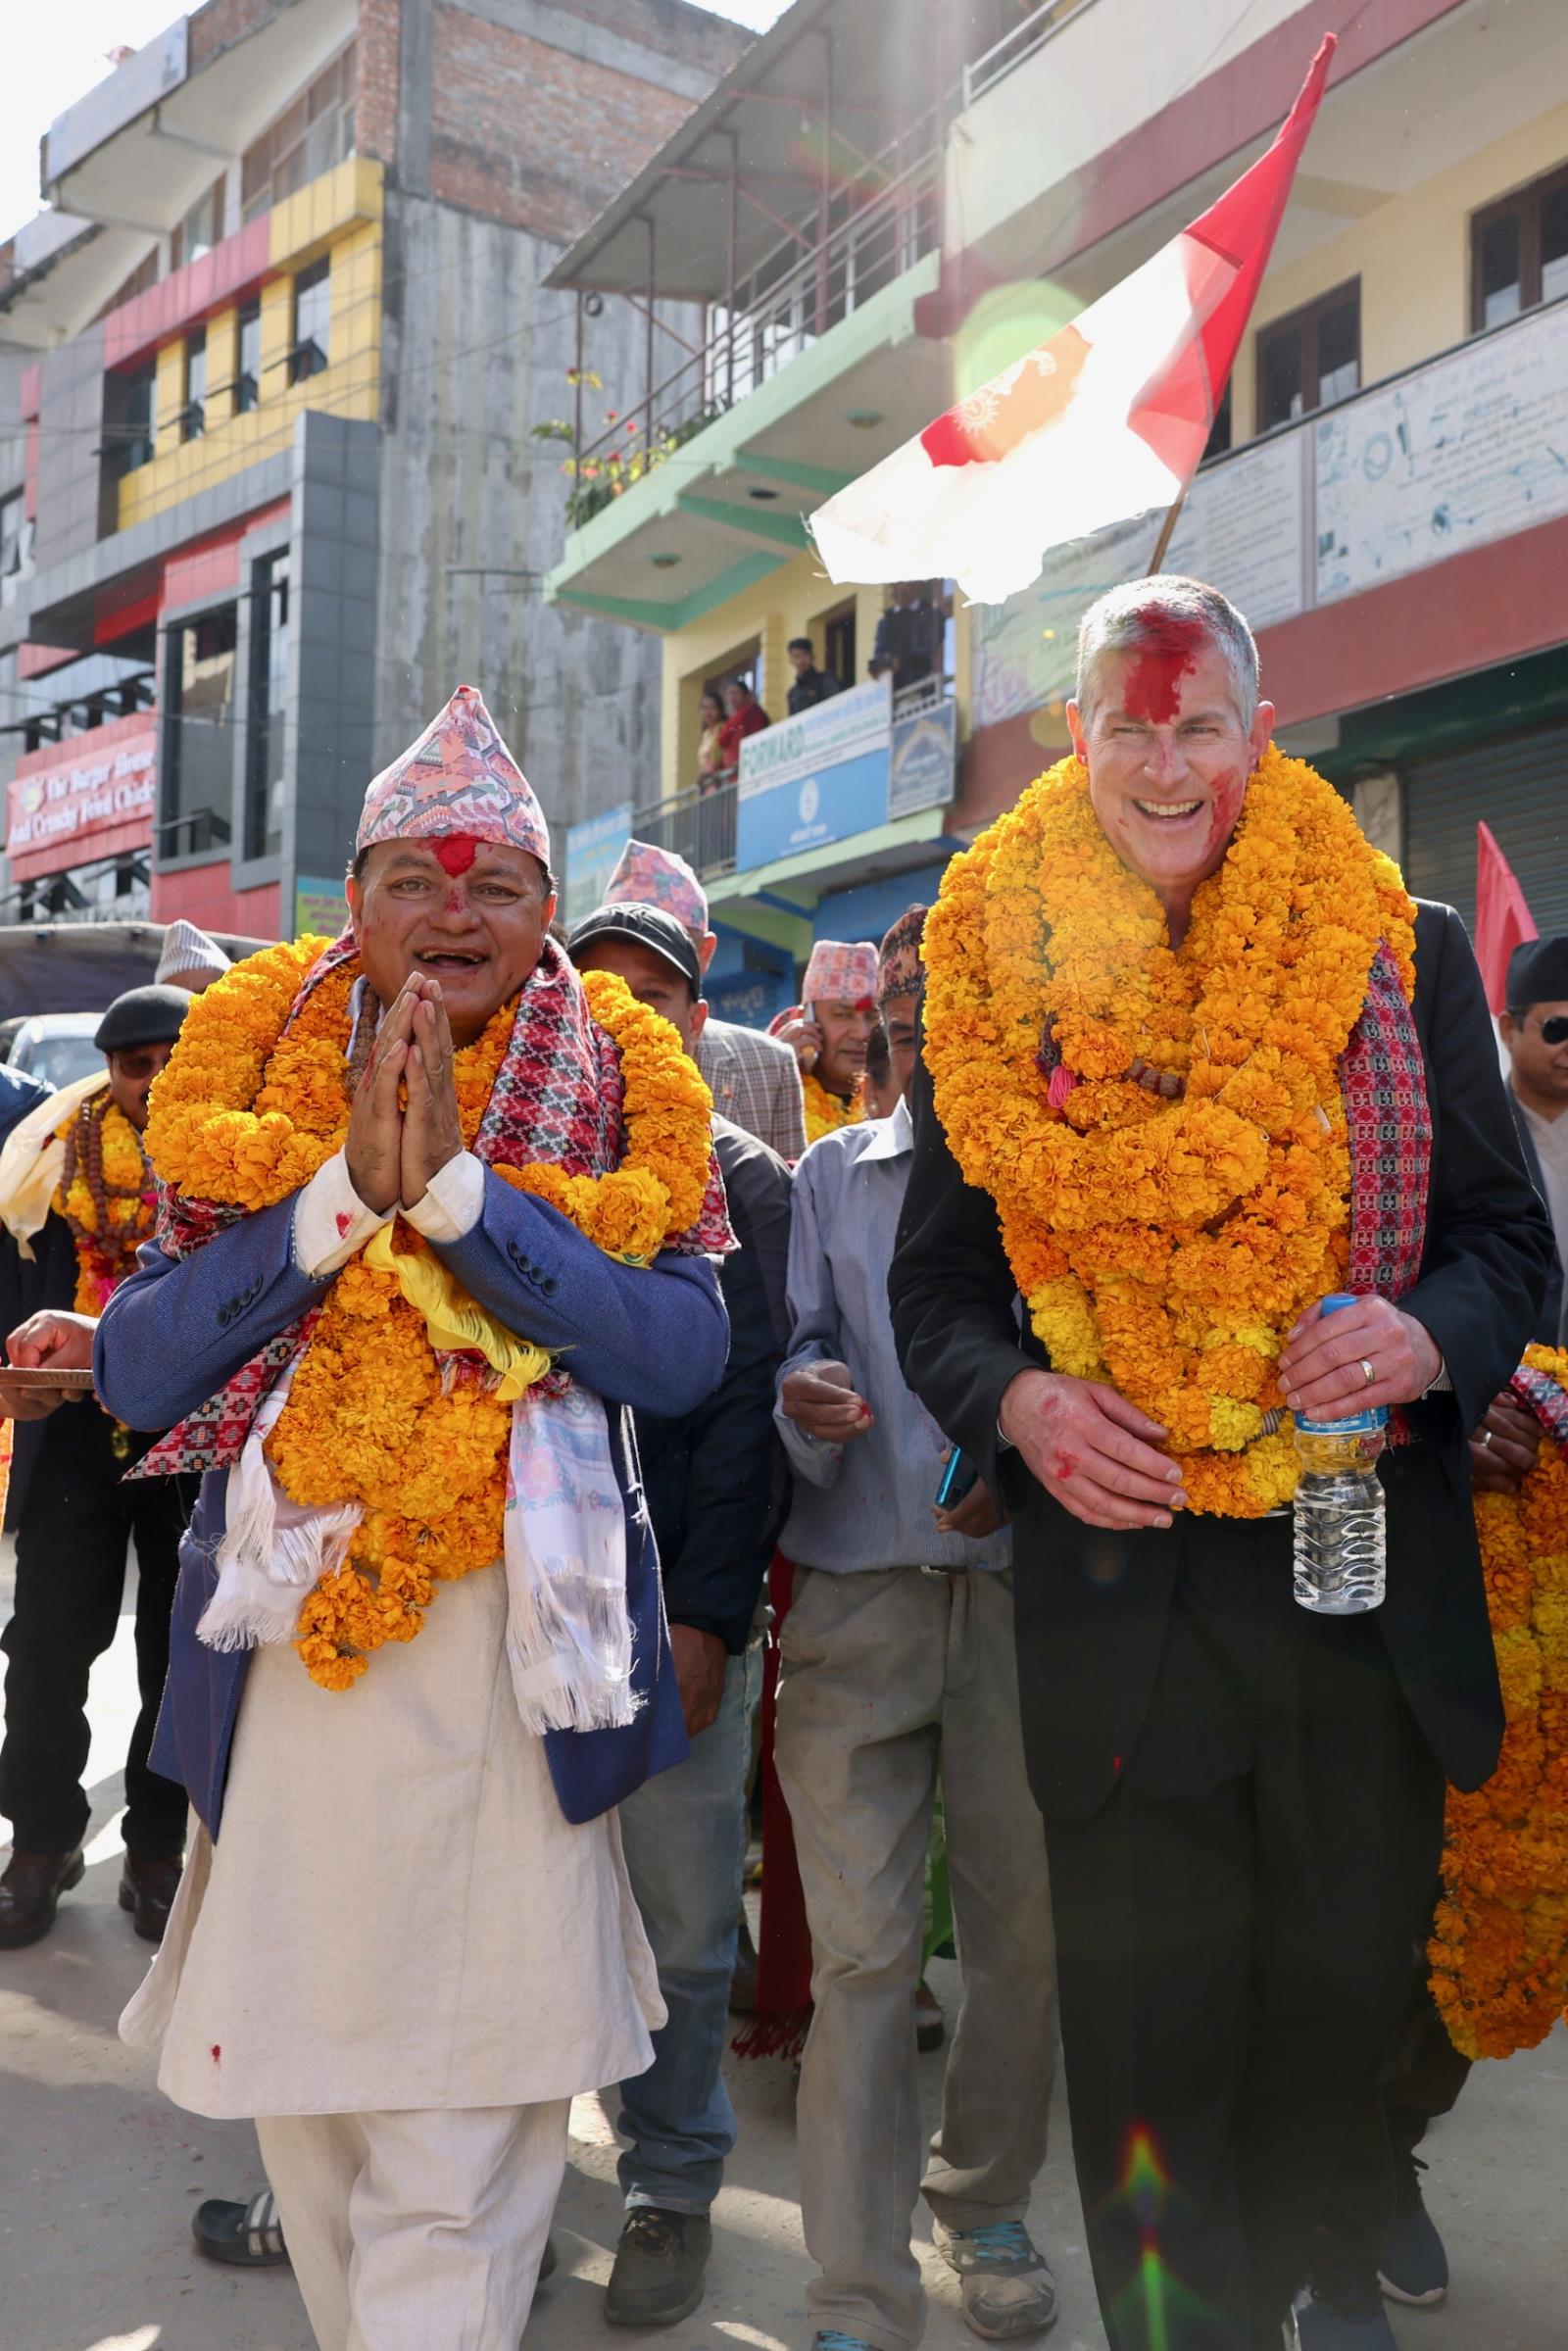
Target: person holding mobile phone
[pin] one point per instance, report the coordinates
(830, 1032)
(898, 1646)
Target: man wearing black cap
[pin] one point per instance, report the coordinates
(714, 1483)
(76, 1201)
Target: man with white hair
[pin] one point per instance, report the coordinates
(1192, 1061)
(753, 1078)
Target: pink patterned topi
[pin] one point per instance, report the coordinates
(459, 777)
(656, 877)
(841, 975)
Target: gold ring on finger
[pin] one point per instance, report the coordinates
(1369, 1370)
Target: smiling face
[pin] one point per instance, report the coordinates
(654, 982)
(1168, 758)
(846, 1033)
(478, 927)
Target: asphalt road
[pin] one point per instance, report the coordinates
(99, 2176)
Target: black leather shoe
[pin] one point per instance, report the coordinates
(147, 1889)
(658, 2277)
(31, 1892)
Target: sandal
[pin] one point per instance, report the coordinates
(248, 2236)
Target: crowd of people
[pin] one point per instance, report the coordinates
(558, 1426)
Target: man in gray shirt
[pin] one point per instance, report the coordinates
(898, 1654)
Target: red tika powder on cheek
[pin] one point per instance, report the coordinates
(1154, 672)
(456, 851)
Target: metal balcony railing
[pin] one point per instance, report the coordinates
(1021, 42)
(792, 298)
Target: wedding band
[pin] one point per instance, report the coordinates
(1369, 1371)
(1485, 1438)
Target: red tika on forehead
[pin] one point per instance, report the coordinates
(456, 851)
(1167, 653)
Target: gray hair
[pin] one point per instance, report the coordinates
(1127, 621)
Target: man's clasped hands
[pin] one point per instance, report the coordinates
(397, 1140)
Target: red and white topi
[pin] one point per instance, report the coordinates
(1106, 420)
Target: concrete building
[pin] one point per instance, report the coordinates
(1384, 493)
(269, 368)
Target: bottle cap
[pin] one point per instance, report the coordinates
(1338, 1299)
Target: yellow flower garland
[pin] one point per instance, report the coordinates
(1499, 1942)
(108, 1222)
(244, 1114)
(826, 1112)
(1166, 1244)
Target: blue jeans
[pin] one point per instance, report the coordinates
(685, 1837)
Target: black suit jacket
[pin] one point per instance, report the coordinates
(1091, 1604)
(714, 1478)
(28, 1286)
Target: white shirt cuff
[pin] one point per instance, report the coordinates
(330, 1220)
(452, 1202)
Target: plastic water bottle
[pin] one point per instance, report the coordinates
(1338, 1508)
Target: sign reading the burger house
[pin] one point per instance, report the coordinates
(88, 798)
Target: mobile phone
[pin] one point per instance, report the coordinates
(958, 1476)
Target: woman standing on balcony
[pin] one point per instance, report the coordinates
(709, 757)
(744, 715)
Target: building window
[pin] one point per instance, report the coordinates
(193, 415)
(13, 524)
(199, 657)
(838, 645)
(1311, 358)
(308, 138)
(313, 302)
(1519, 252)
(200, 230)
(248, 382)
(269, 708)
(130, 418)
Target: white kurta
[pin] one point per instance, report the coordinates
(396, 1914)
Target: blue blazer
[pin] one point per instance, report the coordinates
(650, 1338)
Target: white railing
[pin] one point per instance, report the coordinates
(1021, 42)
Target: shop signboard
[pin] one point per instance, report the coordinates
(816, 778)
(83, 800)
(593, 851)
(924, 757)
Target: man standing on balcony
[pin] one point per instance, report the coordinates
(899, 1639)
(811, 685)
(908, 637)
(754, 1078)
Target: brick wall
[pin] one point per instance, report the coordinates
(375, 116)
(530, 136)
(221, 22)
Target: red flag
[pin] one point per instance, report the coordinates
(1503, 920)
(1106, 420)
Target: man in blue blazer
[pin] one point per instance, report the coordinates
(406, 1939)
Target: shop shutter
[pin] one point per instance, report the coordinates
(1518, 785)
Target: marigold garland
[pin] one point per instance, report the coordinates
(1164, 1245)
(826, 1112)
(107, 1195)
(1499, 1942)
(244, 1114)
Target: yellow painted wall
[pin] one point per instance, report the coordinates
(1412, 256)
(792, 601)
(340, 215)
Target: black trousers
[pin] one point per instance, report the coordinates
(1236, 1931)
(70, 1573)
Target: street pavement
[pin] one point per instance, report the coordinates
(99, 2174)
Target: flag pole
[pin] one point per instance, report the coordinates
(1166, 530)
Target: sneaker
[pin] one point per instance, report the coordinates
(1008, 2288)
(1414, 2267)
(657, 2274)
(1358, 2326)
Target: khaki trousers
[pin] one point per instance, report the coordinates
(417, 2230)
(884, 1674)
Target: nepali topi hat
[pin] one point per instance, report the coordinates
(648, 876)
(841, 975)
(457, 778)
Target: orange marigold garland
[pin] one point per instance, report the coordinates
(107, 1195)
(245, 1114)
(826, 1112)
(1165, 1243)
(1499, 1942)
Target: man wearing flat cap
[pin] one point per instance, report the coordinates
(76, 1201)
